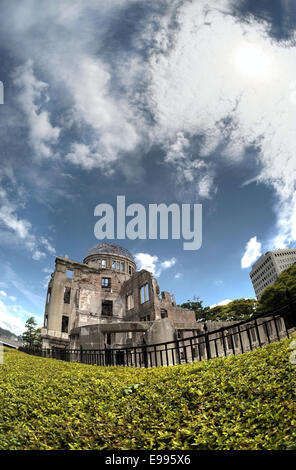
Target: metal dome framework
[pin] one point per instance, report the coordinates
(111, 248)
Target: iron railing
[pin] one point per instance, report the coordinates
(236, 338)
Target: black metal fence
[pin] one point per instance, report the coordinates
(237, 338)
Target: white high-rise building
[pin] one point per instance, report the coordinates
(268, 267)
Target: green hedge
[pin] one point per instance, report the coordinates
(238, 402)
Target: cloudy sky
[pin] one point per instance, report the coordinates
(163, 101)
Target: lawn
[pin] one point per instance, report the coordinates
(238, 402)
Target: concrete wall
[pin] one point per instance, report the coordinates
(94, 336)
(161, 331)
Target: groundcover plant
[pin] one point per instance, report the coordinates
(239, 402)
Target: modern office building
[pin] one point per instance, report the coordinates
(268, 267)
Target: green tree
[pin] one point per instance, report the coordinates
(201, 313)
(32, 335)
(277, 295)
(239, 309)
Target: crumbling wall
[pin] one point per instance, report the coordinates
(84, 298)
(143, 311)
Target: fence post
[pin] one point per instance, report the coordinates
(81, 353)
(166, 354)
(155, 355)
(178, 351)
(145, 357)
(208, 348)
(216, 348)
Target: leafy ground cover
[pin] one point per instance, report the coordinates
(238, 402)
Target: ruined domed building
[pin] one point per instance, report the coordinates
(105, 302)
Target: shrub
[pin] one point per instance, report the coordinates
(238, 402)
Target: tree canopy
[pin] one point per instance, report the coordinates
(201, 313)
(277, 295)
(238, 309)
(32, 335)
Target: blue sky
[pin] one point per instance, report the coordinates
(161, 101)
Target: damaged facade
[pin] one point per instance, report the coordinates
(104, 303)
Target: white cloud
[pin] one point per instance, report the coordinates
(189, 170)
(252, 252)
(16, 231)
(178, 275)
(32, 91)
(106, 115)
(223, 302)
(152, 263)
(82, 155)
(8, 217)
(13, 318)
(37, 255)
(285, 232)
(23, 287)
(168, 263)
(206, 75)
(230, 81)
(76, 71)
(46, 280)
(48, 245)
(146, 261)
(47, 270)
(8, 321)
(89, 157)
(5, 295)
(206, 186)
(177, 150)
